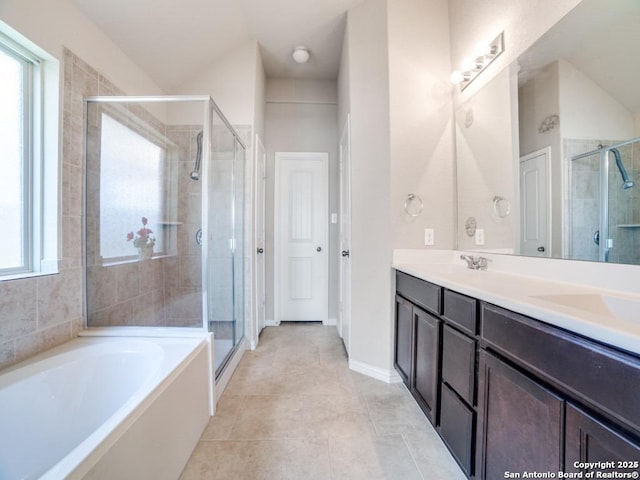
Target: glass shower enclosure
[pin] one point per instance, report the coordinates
(605, 202)
(164, 202)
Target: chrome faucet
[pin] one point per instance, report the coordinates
(475, 263)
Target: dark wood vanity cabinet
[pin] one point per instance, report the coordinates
(519, 422)
(417, 340)
(508, 393)
(404, 339)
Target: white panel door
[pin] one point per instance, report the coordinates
(260, 202)
(301, 260)
(535, 214)
(344, 317)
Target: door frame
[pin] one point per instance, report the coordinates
(260, 180)
(344, 307)
(279, 157)
(547, 152)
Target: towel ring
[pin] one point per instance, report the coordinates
(409, 200)
(501, 207)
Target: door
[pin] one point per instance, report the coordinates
(301, 257)
(344, 314)
(519, 422)
(535, 205)
(424, 385)
(403, 340)
(261, 178)
(589, 440)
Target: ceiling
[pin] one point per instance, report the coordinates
(174, 40)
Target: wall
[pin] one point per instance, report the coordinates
(301, 116)
(371, 239)
(421, 132)
(484, 146)
(39, 313)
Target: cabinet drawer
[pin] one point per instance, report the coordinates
(424, 294)
(456, 427)
(461, 311)
(605, 378)
(459, 362)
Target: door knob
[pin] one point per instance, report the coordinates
(345, 253)
(260, 250)
(319, 249)
(541, 249)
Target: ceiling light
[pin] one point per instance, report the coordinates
(301, 54)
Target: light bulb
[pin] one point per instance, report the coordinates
(457, 77)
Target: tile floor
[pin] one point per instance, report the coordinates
(294, 410)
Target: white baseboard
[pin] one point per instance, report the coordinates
(223, 380)
(271, 323)
(387, 376)
(253, 345)
(330, 322)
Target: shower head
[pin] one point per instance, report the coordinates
(195, 173)
(626, 182)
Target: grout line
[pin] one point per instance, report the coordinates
(415, 463)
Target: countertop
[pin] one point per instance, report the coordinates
(587, 311)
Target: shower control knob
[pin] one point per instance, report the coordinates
(260, 250)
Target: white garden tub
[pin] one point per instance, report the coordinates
(105, 408)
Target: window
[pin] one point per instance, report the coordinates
(15, 125)
(132, 186)
(28, 188)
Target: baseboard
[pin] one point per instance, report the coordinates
(223, 380)
(387, 376)
(271, 323)
(330, 322)
(253, 345)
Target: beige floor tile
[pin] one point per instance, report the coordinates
(432, 457)
(294, 410)
(335, 416)
(269, 417)
(372, 458)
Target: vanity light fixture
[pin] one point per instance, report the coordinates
(482, 58)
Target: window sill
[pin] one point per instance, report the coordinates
(50, 269)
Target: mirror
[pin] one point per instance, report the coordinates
(548, 152)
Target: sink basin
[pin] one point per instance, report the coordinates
(614, 307)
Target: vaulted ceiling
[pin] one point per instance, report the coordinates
(173, 40)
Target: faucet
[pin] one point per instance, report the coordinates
(475, 263)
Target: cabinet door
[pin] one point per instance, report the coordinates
(404, 339)
(425, 367)
(459, 362)
(519, 422)
(588, 440)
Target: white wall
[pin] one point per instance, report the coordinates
(587, 111)
(371, 239)
(231, 81)
(52, 24)
(486, 166)
(302, 116)
(420, 121)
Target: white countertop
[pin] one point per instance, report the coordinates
(581, 309)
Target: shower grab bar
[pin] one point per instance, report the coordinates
(195, 174)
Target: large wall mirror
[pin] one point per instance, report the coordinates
(548, 152)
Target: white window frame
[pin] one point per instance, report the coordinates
(40, 159)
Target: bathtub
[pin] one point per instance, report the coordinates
(105, 408)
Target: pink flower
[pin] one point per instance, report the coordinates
(144, 220)
(129, 236)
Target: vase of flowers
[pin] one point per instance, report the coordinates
(143, 240)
